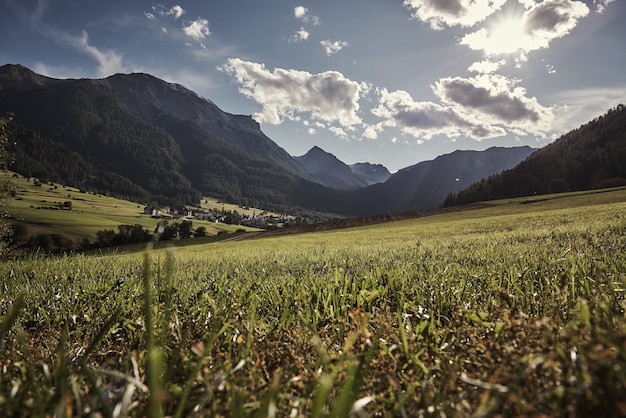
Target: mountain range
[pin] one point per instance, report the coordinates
(139, 137)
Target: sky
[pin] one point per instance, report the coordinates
(392, 82)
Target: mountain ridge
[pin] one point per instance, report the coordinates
(141, 137)
(332, 172)
(589, 157)
(426, 184)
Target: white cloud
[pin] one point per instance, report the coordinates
(601, 4)
(440, 13)
(424, 120)
(532, 30)
(302, 13)
(338, 131)
(299, 12)
(485, 106)
(496, 100)
(149, 16)
(333, 47)
(372, 131)
(175, 11)
(58, 71)
(485, 67)
(197, 29)
(326, 97)
(299, 36)
(109, 61)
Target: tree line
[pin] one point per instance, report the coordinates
(19, 241)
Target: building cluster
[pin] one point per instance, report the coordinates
(262, 220)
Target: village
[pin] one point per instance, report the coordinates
(262, 220)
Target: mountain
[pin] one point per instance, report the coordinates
(426, 184)
(371, 173)
(145, 139)
(332, 172)
(138, 137)
(590, 157)
(151, 99)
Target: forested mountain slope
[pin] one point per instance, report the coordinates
(426, 184)
(590, 157)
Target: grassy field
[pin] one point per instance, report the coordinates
(516, 309)
(37, 204)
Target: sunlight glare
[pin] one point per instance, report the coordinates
(507, 35)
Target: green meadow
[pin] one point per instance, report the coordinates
(39, 206)
(515, 309)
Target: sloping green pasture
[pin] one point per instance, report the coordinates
(39, 206)
(516, 309)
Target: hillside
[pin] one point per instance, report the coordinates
(590, 157)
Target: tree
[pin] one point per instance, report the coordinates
(170, 232)
(184, 229)
(6, 186)
(105, 237)
(558, 185)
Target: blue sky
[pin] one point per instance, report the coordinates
(382, 81)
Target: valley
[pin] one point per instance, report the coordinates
(515, 308)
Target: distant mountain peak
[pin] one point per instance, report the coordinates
(317, 152)
(332, 172)
(371, 173)
(22, 77)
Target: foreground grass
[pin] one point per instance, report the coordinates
(499, 311)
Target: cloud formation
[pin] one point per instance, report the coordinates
(485, 106)
(332, 47)
(197, 29)
(486, 66)
(175, 11)
(299, 36)
(109, 61)
(302, 13)
(441, 13)
(496, 100)
(534, 29)
(601, 4)
(327, 97)
(425, 120)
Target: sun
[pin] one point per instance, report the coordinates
(507, 35)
